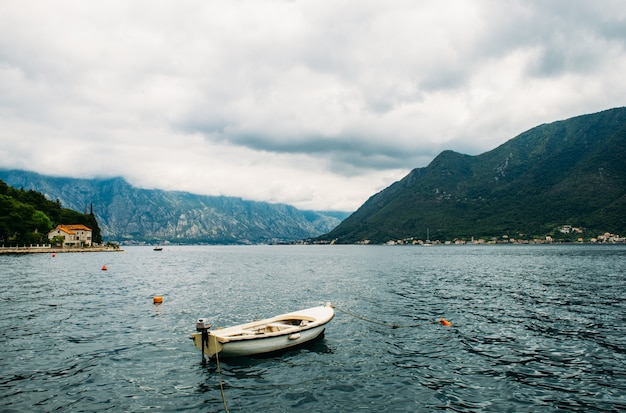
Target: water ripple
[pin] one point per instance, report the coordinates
(535, 329)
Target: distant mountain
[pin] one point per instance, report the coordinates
(571, 172)
(126, 213)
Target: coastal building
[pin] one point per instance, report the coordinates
(74, 235)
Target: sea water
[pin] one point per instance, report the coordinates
(534, 329)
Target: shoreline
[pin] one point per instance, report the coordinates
(50, 250)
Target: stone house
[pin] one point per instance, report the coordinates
(75, 235)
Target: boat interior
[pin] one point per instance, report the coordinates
(259, 328)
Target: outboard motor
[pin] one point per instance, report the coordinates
(203, 326)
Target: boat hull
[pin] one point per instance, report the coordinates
(268, 344)
(266, 336)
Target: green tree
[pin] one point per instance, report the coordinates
(26, 217)
(41, 222)
(57, 240)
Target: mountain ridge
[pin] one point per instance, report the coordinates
(565, 172)
(131, 214)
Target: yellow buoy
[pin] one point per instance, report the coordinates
(157, 300)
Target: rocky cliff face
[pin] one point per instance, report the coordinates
(126, 213)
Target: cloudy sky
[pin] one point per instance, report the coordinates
(318, 104)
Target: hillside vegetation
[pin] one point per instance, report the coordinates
(26, 217)
(570, 172)
(129, 214)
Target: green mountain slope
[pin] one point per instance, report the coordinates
(26, 217)
(570, 172)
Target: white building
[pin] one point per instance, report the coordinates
(75, 235)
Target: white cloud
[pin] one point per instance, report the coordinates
(314, 103)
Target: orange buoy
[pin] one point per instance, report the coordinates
(53, 255)
(104, 268)
(445, 322)
(157, 300)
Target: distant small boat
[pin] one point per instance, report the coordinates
(427, 243)
(263, 336)
(157, 248)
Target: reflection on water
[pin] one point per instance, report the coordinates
(535, 328)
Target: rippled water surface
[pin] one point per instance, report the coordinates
(535, 328)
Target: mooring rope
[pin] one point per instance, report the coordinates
(394, 326)
(219, 374)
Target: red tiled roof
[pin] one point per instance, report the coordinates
(69, 229)
(76, 227)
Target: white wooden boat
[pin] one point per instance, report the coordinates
(263, 336)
